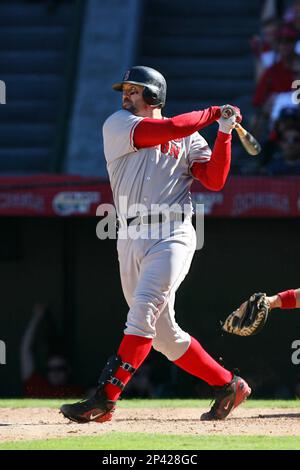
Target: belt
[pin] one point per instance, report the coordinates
(156, 218)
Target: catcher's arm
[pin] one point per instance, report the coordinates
(252, 315)
(286, 299)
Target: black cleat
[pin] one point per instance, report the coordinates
(227, 399)
(97, 408)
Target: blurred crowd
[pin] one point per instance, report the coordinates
(276, 120)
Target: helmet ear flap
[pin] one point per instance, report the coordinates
(151, 96)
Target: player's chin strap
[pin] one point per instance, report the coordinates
(112, 365)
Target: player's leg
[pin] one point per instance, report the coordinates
(129, 256)
(185, 351)
(131, 352)
(230, 390)
(161, 265)
(164, 266)
(170, 339)
(188, 354)
(134, 348)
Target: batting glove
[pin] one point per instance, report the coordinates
(228, 110)
(227, 125)
(230, 115)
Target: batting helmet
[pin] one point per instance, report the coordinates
(155, 90)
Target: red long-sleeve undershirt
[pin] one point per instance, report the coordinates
(152, 132)
(213, 174)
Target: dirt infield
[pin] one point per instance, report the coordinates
(45, 423)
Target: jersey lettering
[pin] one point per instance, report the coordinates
(172, 149)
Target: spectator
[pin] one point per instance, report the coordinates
(280, 76)
(265, 46)
(288, 118)
(276, 80)
(55, 381)
(286, 160)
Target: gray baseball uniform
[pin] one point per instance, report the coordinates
(152, 269)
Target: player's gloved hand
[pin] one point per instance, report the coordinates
(228, 110)
(227, 125)
(230, 115)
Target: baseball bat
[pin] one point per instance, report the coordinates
(250, 144)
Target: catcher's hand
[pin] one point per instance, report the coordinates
(249, 318)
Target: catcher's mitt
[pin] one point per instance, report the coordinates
(249, 318)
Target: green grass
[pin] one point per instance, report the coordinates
(35, 403)
(135, 441)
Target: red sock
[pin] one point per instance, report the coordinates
(134, 350)
(198, 362)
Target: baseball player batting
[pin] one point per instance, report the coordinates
(152, 160)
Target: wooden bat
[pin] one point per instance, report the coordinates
(250, 144)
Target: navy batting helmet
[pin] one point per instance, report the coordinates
(155, 90)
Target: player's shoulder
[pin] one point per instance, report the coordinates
(118, 118)
(121, 114)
